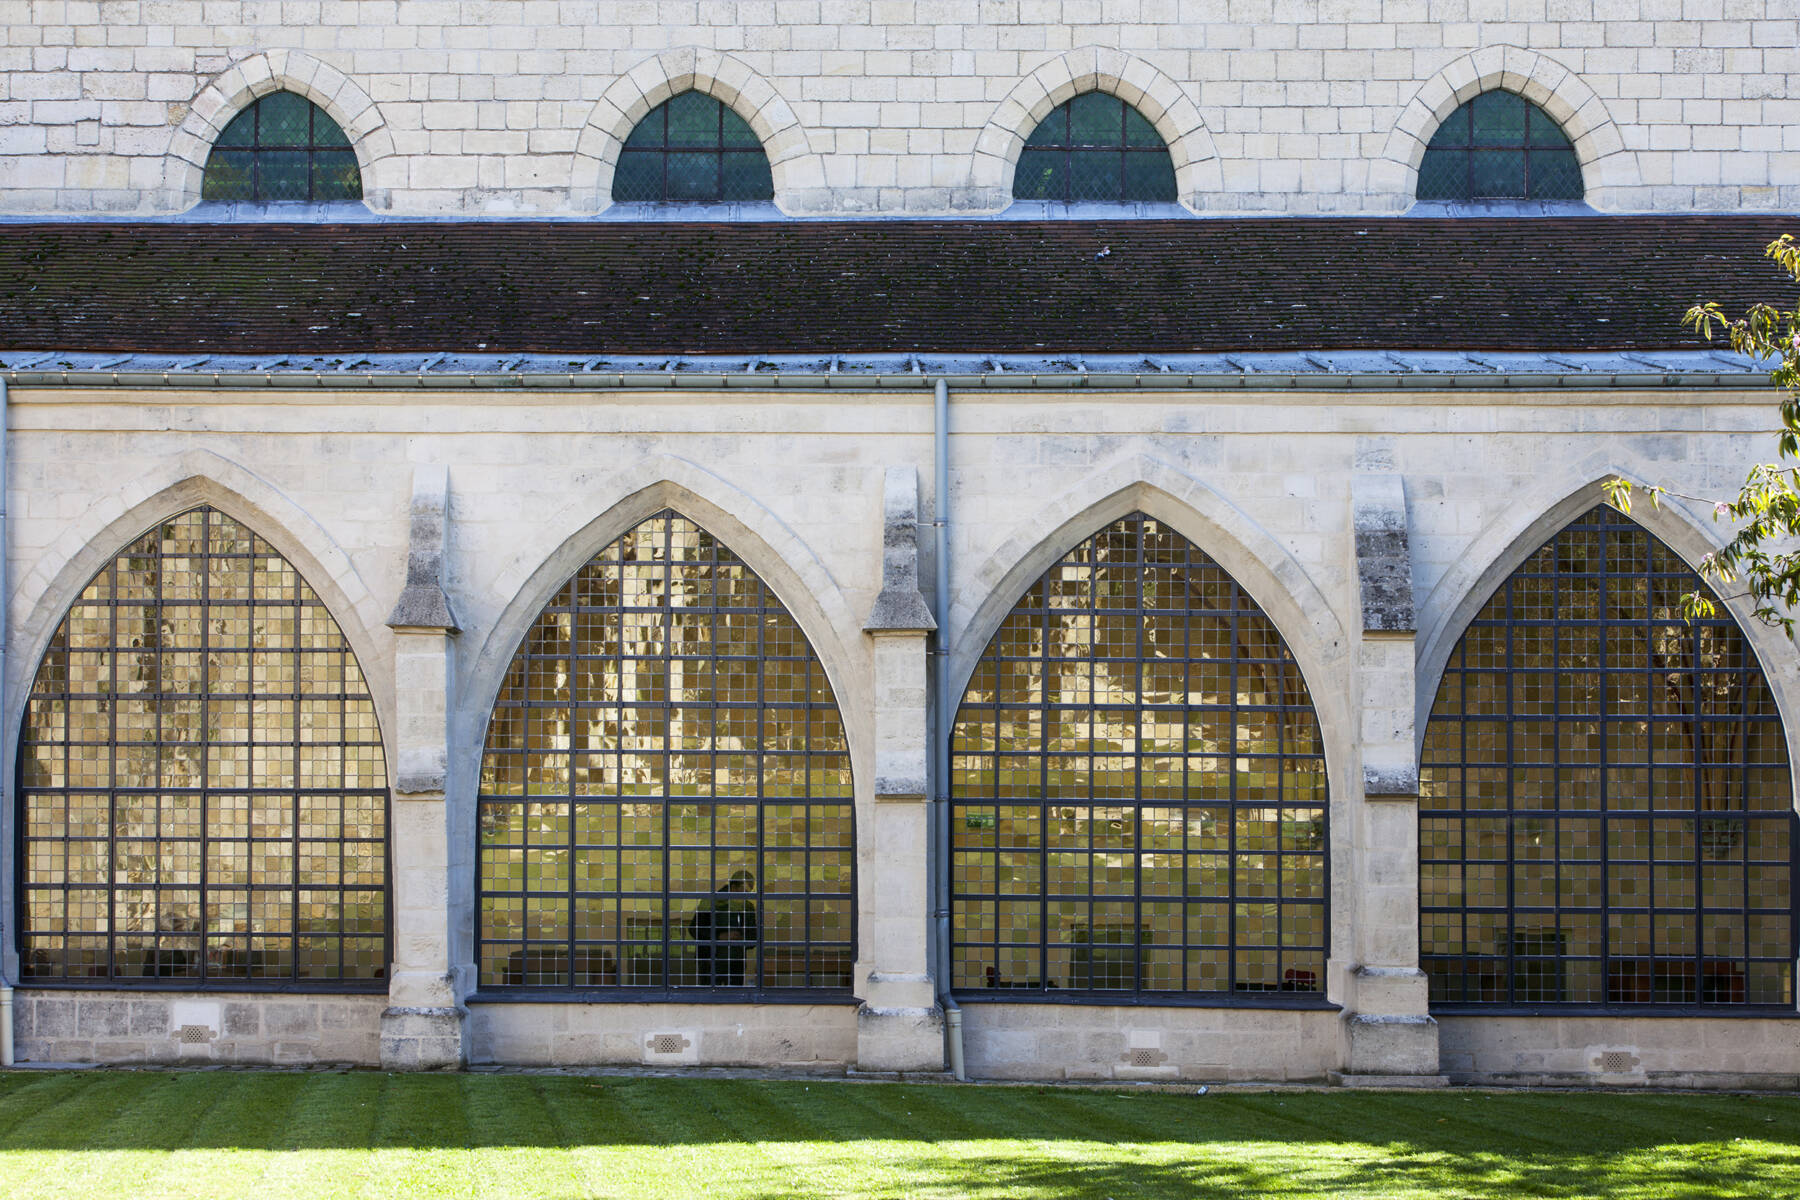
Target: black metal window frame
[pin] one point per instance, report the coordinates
(268, 825)
(1049, 156)
(618, 967)
(326, 148)
(1227, 848)
(1587, 827)
(1540, 139)
(731, 146)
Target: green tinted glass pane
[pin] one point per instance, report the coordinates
(648, 132)
(1042, 175)
(1150, 178)
(638, 175)
(736, 132)
(693, 176)
(228, 176)
(1052, 129)
(283, 119)
(1555, 175)
(1094, 175)
(1546, 132)
(326, 131)
(282, 176)
(1497, 173)
(693, 120)
(1444, 175)
(241, 131)
(335, 176)
(1453, 133)
(1499, 119)
(744, 175)
(1138, 131)
(1095, 120)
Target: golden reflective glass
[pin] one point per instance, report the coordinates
(1582, 693)
(172, 693)
(666, 749)
(1136, 750)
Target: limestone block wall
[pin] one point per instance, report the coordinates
(1066, 1041)
(897, 106)
(796, 1037)
(191, 1029)
(794, 482)
(1622, 1051)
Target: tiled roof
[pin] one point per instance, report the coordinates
(814, 287)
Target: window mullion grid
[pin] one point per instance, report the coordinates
(762, 717)
(1232, 856)
(206, 772)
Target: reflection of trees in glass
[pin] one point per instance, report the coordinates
(196, 718)
(1605, 813)
(669, 727)
(1136, 766)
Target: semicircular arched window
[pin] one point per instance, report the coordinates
(1095, 149)
(665, 797)
(1605, 815)
(282, 149)
(692, 149)
(203, 789)
(1499, 146)
(1138, 790)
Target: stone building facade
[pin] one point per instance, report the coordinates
(1367, 426)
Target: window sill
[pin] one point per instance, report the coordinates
(571, 995)
(1275, 1001)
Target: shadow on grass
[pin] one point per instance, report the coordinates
(757, 1139)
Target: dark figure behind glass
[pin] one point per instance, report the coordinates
(724, 930)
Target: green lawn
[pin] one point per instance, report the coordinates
(317, 1135)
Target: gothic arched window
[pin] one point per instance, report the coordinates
(282, 149)
(203, 789)
(692, 149)
(1138, 787)
(1095, 149)
(665, 796)
(1605, 815)
(1499, 146)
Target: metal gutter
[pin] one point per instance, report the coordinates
(940, 715)
(6, 791)
(813, 381)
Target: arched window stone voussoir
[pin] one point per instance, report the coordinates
(1157, 96)
(346, 103)
(1561, 93)
(798, 173)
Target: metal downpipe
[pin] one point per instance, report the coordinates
(6, 796)
(941, 715)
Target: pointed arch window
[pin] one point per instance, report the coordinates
(1138, 792)
(1605, 816)
(203, 789)
(282, 149)
(1095, 149)
(1499, 146)
(665, 801)
(692, 149)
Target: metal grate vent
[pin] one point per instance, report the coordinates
(668, 1043)
(1143, 1056)
(1617, 1062)
(192, 1035)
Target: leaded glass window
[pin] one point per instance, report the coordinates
(1499, 146)
(692, 149)
(202, 784)
(282, 149)
(1605, 815)
(1138, 794)
(665, 795)
(1095, 149)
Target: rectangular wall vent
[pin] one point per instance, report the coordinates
(195, 1035)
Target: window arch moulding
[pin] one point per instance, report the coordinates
(221, 101)
(1606, 165)
(796, 172)
(1156, 96)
